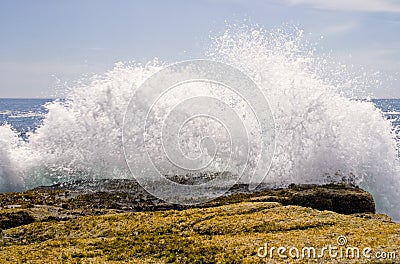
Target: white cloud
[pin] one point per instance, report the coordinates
(351, 5)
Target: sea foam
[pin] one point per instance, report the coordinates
(322, 133)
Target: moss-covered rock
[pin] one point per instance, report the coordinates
(223, 234)
(116, 221)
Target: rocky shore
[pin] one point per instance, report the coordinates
(112, 221)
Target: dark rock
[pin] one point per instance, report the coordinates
(14, 219)
(198, 178)
(94, 197)
(340, 198)
(128, 195)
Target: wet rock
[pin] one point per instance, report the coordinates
(340, 198)
(128, 195)
(15, 218)
(95, 197)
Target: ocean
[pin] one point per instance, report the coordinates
(24, 115)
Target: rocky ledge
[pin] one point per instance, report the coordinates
(116, 221)
(98, 197)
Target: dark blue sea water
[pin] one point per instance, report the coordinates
(27, 114)
(23, 114)
(391, 108)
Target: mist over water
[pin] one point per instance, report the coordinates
(322, 135)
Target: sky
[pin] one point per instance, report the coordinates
(46, 45)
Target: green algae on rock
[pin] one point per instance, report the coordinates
(115, 221)
(230, 233)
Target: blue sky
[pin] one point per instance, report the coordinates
(46, 43)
